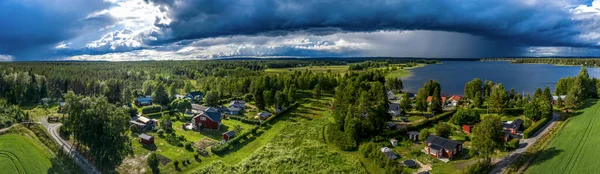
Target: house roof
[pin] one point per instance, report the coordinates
(212, 114)
(230, 133)
(455, 98)
(237, 103)
(413, 133)
(144, 99)
(511, 124)
(137, 123)
(195, 93)
(143, 119)
(394, 106)
(199, 107)
(429, 98)
(264, 114)
(145, 136)
(563, 97)
(388, 153)
(442, 142)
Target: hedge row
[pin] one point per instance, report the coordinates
(291, 107)
(505, 111)
(429, 122)
(151, 109)
(535, 127)
(244, 119)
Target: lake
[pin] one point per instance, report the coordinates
(453, 75)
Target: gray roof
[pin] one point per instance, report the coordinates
(237, 103)
(145, 136)
(442, 142)
(514, 124)
(199, 107)
(195, 93)
(230, 133)
(212, 114)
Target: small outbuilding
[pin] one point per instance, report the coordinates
(413, 135)
(228, 135)
(388, 153)
(394, 142)
(467, 128)
(143, 101)
(146, 139)
(263, 115)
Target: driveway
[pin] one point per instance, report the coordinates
(82, 162)
(526, 143)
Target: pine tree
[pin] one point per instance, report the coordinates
(436, 101)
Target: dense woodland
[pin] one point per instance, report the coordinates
(554, 61)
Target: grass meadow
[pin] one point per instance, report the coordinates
(575, 148)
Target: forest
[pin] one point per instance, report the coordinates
(554, 61)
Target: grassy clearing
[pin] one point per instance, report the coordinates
(502, 117)
(402, 73)
(294, 143)
(21, 154)
(574, 149)
(315, 69)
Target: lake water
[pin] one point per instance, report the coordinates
(453, 75)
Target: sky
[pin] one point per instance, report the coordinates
(132, 30)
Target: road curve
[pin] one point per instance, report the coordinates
(82, 162)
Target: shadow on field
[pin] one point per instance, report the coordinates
(587, 104)
(545, 155)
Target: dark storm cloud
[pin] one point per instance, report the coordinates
(29, 28)
(546, 23)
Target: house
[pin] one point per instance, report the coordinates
(263, 115)
(513, 126)
(429, 98)
(508, 136)
(394, 109)
(467, 128)
(236, 107)
(194, 96)
(143, 123)
(143, 101)
(210, 118)
(394, 142)
(555, 98)
(388, 153)
(442, 148)
(453, 100)
(391, 96)
(228, 135)
(146, 139)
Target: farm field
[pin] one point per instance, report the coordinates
(574, 148)
(20, 154)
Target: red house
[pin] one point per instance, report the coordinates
(228, 135)
(442, 148)
(430, 98)
(467, 128)
(146, 139)
(209, 119)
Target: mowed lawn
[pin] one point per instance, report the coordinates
(575, 148)
(20, 154)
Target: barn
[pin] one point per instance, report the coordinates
(228, 135)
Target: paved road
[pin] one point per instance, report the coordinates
(501, 166)
(82, 162)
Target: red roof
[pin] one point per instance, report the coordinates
(455, 98)
(429, 98)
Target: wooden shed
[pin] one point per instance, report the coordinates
(146, 139)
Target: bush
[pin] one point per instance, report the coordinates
(188, 146)
(161, 132)
(151, 109)
(64, 131)
(153, 163)
(132, 112)
(512, 144)
(478, 167)
(429, 122)
(535, 127)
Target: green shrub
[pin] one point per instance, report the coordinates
(535, 127)
(478, 167)
(512, 144)
(151, 109)
(244, 119)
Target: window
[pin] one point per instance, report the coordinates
(203, 118)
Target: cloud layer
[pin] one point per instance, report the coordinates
(202, 29)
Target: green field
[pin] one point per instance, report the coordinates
(575, 148)
(20, 154)
(316, 69)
